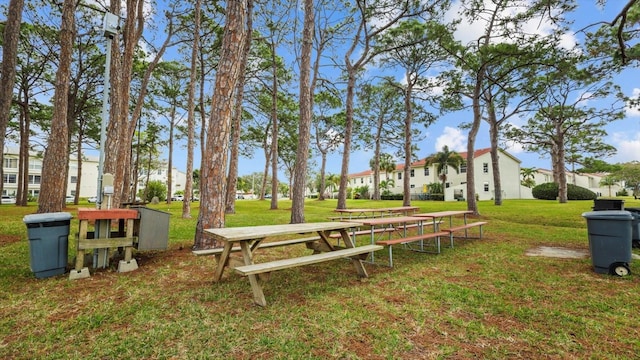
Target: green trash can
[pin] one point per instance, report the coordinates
(48, 243)
(610, 241)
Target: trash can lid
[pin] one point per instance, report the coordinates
(608, 215)
(46, 217)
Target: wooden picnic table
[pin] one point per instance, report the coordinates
(440, 215)
(387, 224)
(250, 238)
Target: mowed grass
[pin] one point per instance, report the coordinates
(482, 299)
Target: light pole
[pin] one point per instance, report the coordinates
(110, 28)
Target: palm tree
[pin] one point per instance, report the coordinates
(445, 159)
(385, 185)
(331, 181)
(387, 164)
(608, 181)
(528, 175)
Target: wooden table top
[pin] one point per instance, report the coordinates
(261, 231)
(388, 220)
(106, 214)
(444, 213)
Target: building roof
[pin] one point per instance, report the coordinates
(420, 163)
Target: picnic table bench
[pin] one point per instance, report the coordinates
(250, 239)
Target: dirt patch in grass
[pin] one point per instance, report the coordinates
(8, 239)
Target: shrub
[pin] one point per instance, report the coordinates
(549, 191)
(622, 192)
(156, 188)
(392, 197)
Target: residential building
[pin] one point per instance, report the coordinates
(89, 175)
(455, 185)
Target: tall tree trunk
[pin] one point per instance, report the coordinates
(274, 128)
(495, 156)
(8, 73)
(191, 104)
(172, 122)
(304, 129)
(562, 173)
(376, 168)
(323, 181)
(215, 157)
(23, 173)
(406, 199)
(232, 178)
(52, 197)
(348, 134)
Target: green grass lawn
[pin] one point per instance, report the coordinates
(482, 299)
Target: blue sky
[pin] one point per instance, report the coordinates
(624, 134)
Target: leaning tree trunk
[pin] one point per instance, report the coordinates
(215, 157)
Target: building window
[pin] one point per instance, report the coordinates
(400, 176)
(35, 164)
(370, 181)
(486, 187)
(413, 186)
(463, 168)
(361, 180)
(10, 163)
(10, 178)
(426, 171)
(74, 179)
(413, 172)
(485, 168)
(34, 179)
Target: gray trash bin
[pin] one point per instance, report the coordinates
(48, 242)
(151, 228)
(610, 241)
(635, 226)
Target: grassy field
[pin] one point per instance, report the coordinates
(483, 299)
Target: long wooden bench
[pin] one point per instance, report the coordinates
(411, 239)
(305, 260)
(464, 227)
(263, 245)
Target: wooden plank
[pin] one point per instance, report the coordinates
(466, 226)
(106, 214)
(412, 238)
(362, 232)
(235, 234)
(263, 245)
(305, 260)
(105, 243)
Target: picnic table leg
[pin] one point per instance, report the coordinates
(258, 294)
(357, 263)
(222, 263)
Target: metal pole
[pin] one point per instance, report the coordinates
(105, 119)
(110, 27)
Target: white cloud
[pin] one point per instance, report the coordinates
(470, 30)
(633, 111)
(628, 145)
(453, 138)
